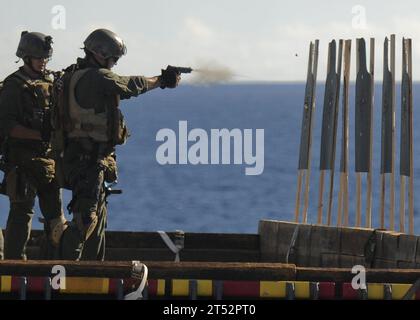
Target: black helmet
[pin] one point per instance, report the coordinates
(105, 43)
(34, 44)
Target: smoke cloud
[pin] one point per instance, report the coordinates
(211, 73)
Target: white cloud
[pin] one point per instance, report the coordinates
(198, 29)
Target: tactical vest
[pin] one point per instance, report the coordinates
(41, 90)
(108, 126)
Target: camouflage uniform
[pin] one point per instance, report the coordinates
(92, 125)
(31, 169)
(89, 163)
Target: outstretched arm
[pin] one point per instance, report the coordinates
(153, 83)
(132, 86)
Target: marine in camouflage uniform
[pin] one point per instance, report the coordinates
(29, 167)
(93, 125)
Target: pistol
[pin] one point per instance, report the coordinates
(180, 69)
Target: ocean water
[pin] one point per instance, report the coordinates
(221, 198)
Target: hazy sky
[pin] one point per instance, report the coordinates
(258, 40)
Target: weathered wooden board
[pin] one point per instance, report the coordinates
(157, 270)
(354, 240)
(268, 247)
(206, 270)
(325, 246)
(119, 239)
(407, 248)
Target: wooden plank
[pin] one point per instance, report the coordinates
(369, 174)
(392, 187)
(298, 192)
(321, 196)
(418, 251)
(324, 239)
(358, 199)
(302, 248)
(331, 242)
(152, 254)
(406, 265)
(382, 202)
(40, 268)
(345, 275)
(340, 201)
(157, 270)
(407, 246)
(206, 270)
(221, 271)
(411, 178)
(275, 239)
(268, 240)
(348, 261)
(402, 203)
(387, 245)
(124, 254)
(384, 263)
(192, 240)
(121, 239)
(329, 260)
(353, 240)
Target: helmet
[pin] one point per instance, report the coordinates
(34, 44)
(105, 43)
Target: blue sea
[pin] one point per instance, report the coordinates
(221, 198)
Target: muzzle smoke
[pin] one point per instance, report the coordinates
(211, 73)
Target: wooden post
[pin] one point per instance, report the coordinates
(385, 83)
(337, 103)
(346, 200)
(369, 174)
(299, 188)
(340, 201)
(343, 192)
(411, 179)
(310, 104)
(358, 199)
(305, 167)
(306, 197)
(320, 196)
(392, 182)
(402, 203)
(382, 204)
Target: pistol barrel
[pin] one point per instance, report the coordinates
(184, 69)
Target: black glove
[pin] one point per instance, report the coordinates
(169, 77)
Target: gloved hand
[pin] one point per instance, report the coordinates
(170, 77)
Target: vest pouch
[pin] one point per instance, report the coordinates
(110, 169)
(121, 131)
(43, 170)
